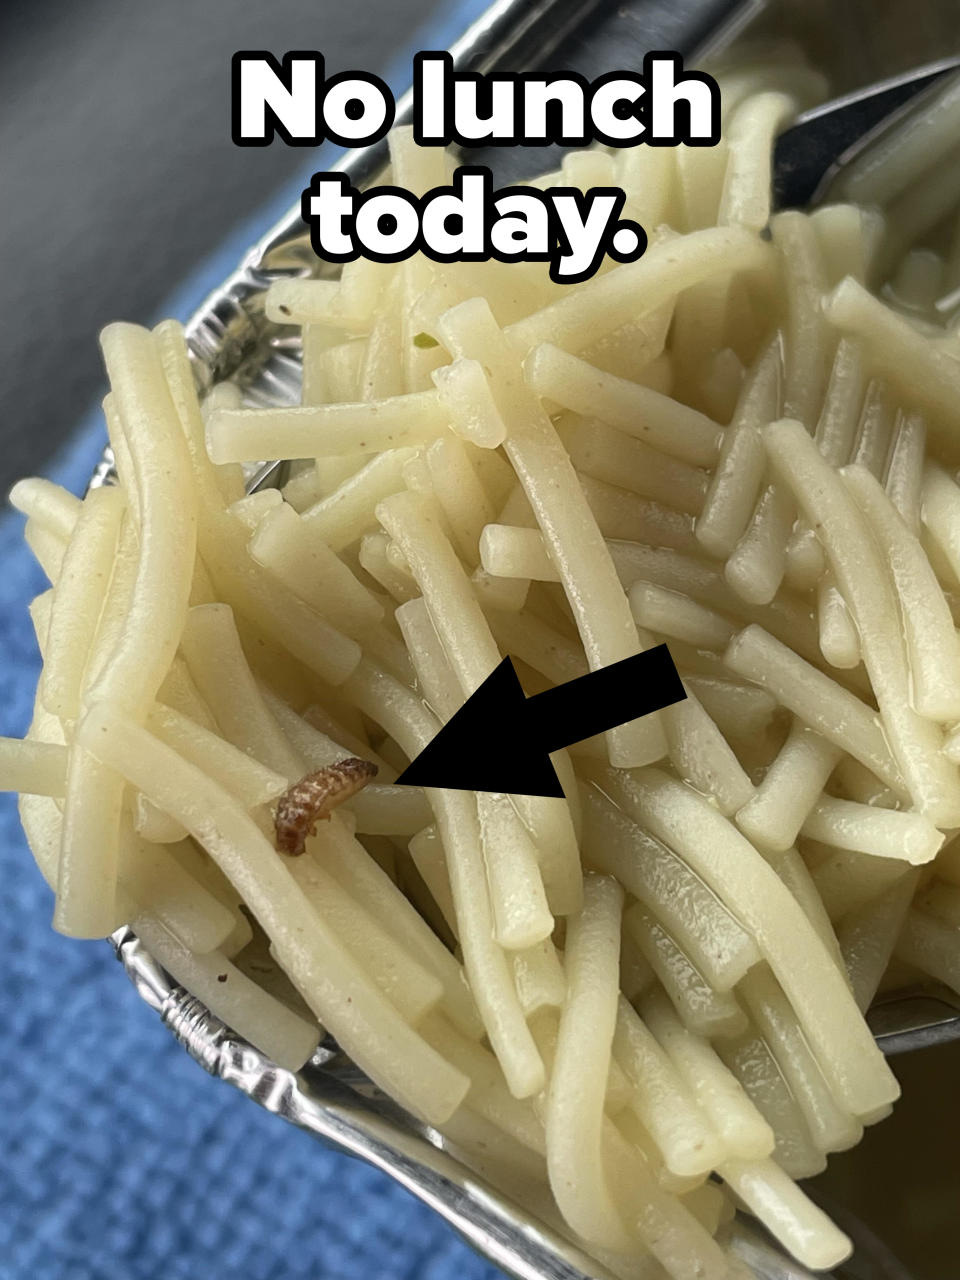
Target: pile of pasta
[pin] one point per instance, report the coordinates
(642, 1006)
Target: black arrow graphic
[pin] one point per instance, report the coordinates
(500, 739)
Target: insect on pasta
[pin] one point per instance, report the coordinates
(316, 796)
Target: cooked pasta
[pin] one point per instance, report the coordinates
(643, 1001)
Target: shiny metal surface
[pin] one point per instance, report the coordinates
(324, 1099)
(229, 337)
(331, 1100)
(810, 155)
(918, 1018)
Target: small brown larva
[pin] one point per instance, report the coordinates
(302, 806)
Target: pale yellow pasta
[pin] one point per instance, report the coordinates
(154, 825)
(372, 557)
(167, 891)
(409, 986)
(457, 487)
(157, 611)
(539, 645)
(250, 781)
(509, 552)
(806, 364)
(87, 563)
(787, 617)
(358, 873)
(34, 768)
(135, 657)
(485, 963)
(574, 1110)
(904, 478)
(636, 289)
(875, 430)
(320, 302)
(539, 978)
(756, 566)
(509, 595)
(521, 916)
(651, 872)
(622, 514)
(745, 199)
(413, 522)
(868, 935)
(700, 177)
(335, 987)
(940, 505)
(87, 904)
(566, 522)
(660, 1098)
(287, 1037)
(488, 1094)
(752, 891)
(800, 1225)
(179, 693)
(427, 854)
(657, 419)
(663, 1221)
(739, 1125)
(836, 428)
(342, 515)
(702, 756)
(753, 1065)
(149, 880)
(862, 577)
(40, 608)
(917, 283)
(793, 871)
(821, 703)
(555, 825)
(217, 663)
(288, 546)
(48, 549)
(48, 505)
(832, 1126)
(464, 391)
(611, 456)
(924, 374)
(434, 673)
(398, 421)
(703, 1010)
(774, 814)
(849, 239)
(839, 638)
(672, 614)
(741, 711)
(274, 610)
(318, 739)
(883, 833)
(638, 1006)
(848, 878)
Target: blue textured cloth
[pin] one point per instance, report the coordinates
(119, 1158)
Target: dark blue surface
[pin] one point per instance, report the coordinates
(119, 1158)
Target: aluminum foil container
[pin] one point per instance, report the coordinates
(229, 337)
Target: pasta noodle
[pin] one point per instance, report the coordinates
(640, 1004)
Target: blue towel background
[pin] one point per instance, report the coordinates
(120, 1159)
